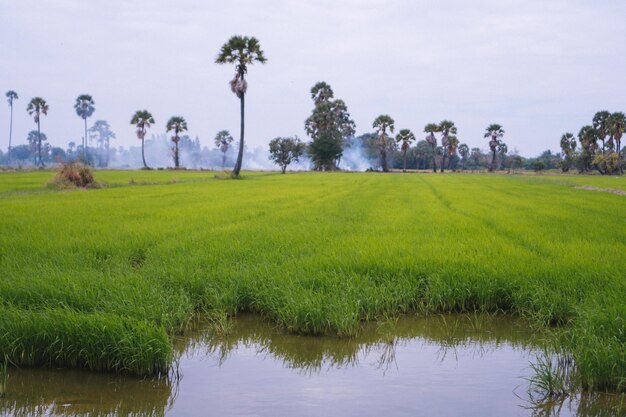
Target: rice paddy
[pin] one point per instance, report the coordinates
(103, 279)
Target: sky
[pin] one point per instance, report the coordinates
(539, 68)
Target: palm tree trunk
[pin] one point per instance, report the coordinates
(383, 160)
(493, 162)
(143, 157)
(443, 161)
(434, 161)
(10, 135)
(223, 160)
(404, 165)
(39, 144)
(85, 148)
(176, 157)
(237, 168)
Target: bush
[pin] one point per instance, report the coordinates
(74, 174)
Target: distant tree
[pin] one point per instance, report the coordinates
(382, 123)
(11, 96)
(102, 133)
(423, 154)
(446, 127)
(35, 140)
(476, 156)
(242, 51)
(464, 151)
(71, 149)
(405, 137)
(84, 106)
(431, 129)
(538, 165)
(284, 151)
(587, 137)
(35, 108)
(495, 133)
(142, 119)
(223, 139)
(600, 127)
(57, 154)
(176, 124)
(616, 127)
(22, 152)
(568, 148)
(328, 126)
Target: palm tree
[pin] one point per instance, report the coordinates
(11, 95)
(568, 146)
(142, 119)
(432, 128)
(223, 139)
(453, 144)
(601, 127)
(178, 125)
(242, 51)
(101, 131)
(321, 92)
(464, 150)
(495, 132)
(446, 127)
(616, 125)
(406, 137)
(84, 107)
(382, 123)
(35, 108)
(587, 136)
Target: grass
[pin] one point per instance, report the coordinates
(316, 253)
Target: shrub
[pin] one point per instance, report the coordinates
(74, 174)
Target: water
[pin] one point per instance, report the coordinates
(436, 366)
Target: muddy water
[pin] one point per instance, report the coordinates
(437, 366)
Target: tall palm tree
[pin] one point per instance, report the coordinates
(11, 95)
(431, 129)
(464, 150)
(84, 106)
(453, 144)
(382, 123)
(601, 127)
(616, 127)
(35, 108)
(406, 137)
(223, 139)
(587, 136)
(495, 132)
(446, 127)
(568, 146)
(142, 119)
(242, 51)
(177, 124)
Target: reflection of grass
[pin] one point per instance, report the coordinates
(4, 377)
(314, 253)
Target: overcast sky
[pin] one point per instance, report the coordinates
(539, 68)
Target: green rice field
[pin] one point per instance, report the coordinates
(103, 279)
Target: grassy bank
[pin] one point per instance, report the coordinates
(317, 253)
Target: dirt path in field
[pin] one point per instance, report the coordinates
(604, 190)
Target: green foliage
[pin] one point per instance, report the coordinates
(329, 125)
(284, 151)
(84, 106)
(385, 146)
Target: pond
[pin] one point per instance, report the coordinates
(465, 365)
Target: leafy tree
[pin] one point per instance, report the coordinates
(538, 165)
(476, 157)
(242, 51)
(568, 147)
(600, 126)
(35, 108)
(22, 152)
(11, 96)
(405, 137)
(616, 125)
(587, 137)
(328, 126)
(464, 151)
(495, 133)
(431, 129)
(284, 151)
(101, 132)
(176, 124)
(382, 123)
(446, 127)
(35, 140)
(423, 154)
(142, 119)
(84, 106)
(223, 139)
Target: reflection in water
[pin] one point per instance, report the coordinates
(439, 365)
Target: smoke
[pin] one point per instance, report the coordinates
(354, 159)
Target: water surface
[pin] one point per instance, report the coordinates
(435, 366)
